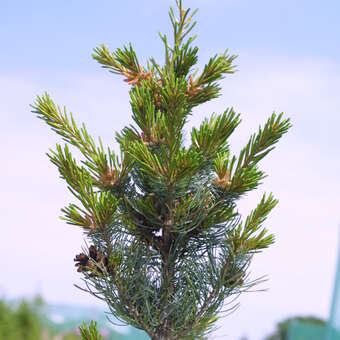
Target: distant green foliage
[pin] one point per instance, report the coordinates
(281, 332)
(21, 322)
(71, 337)
(24, 321)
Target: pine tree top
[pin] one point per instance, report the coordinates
(167, 243)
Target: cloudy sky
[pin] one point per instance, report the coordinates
(289, 60)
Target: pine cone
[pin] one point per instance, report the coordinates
(93, 264)
(82, 260)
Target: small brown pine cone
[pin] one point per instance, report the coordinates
(92, 263)
(82, 262)
(82, 259)
(93, 252)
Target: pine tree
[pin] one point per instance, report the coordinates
(167, 244)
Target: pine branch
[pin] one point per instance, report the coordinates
(205, 87)
(168, 168)
(73, 174)
(243, 238)
(212, 136)
(60, 123)
(185, 58)
(89, 332)
(100, 207)
(97, 161)
(122, 61)
(216, 68)
(246, 176)
(100, 210)
(182, 26)
(263, 142)
(143, 107)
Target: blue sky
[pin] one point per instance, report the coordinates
(289, 60)
(37, 33)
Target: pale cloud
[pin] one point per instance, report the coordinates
(303, 174)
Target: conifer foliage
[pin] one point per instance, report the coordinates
(167, 244)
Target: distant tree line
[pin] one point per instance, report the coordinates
(22, 321)
(282, 328)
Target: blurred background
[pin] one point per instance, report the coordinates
(289, 54)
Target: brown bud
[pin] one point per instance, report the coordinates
(134, 81)
(192, 89)
(223, 182)
(154, 140)
(108, 178)
(92, 223)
